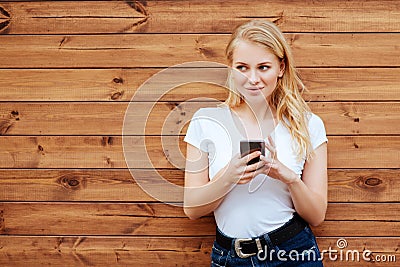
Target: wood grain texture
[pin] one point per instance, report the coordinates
(55, 17)
(78, 185)
(330, 84)
(168, 152)
(101, 219)
(104, 251)
(171, 251)
(69, 70)
(345, 185)
(57, 218)
(172, 118)
(369, 185)
(66, 17)
(139, 50)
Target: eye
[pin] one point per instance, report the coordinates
(241, 67)
(263, 67)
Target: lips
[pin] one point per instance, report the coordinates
(254, 88)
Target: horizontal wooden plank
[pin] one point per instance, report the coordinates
(366, 185)
(358, 228)
(354, 84)
(358, 118)
(371, 185)
(77, 185)
(60, 17)
(155, 251)
(167, 152)
(100, 219)
(330, 84)
(160, 219)
(54, 17)
(139, 50)
(103, 251)
(172, 118)
(360, 150)
(363, 212)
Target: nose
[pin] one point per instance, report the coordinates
(254, 78)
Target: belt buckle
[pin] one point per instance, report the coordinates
(238, 248)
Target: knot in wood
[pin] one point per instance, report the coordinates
(107, 140)
(71, 182)
(118, 80)
(371, 181)
(117, 95)
(173, 105)
(371, 184)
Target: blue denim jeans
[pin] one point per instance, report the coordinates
(299, 251)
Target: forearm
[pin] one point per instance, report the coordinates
(202, 196)
(201, 200)
(310, 205)
(199, 211)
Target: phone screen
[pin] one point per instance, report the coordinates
(249, 146)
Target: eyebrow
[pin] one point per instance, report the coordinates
(261, 63)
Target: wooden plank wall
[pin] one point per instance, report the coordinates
(68, 70)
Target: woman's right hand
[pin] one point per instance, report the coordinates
(202, 196)
(239, 172)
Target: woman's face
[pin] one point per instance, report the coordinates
(256, 71)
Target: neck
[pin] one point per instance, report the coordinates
(259, 111)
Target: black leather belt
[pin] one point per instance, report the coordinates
(246, 247)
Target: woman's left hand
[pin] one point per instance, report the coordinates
(274, 168)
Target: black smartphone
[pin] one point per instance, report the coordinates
(249, 146)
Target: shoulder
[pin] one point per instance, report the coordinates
(317, 130)
(314, 121)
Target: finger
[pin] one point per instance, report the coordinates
(270, 148)
(272, 166)
(255, 166)
(271, 141)
(251, 156)
(249, 175)
(244, 180)
(261, 170)
(266, 160)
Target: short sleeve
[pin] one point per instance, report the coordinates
(317, 131)
(195, 132)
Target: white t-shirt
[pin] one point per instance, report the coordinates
(244, 212)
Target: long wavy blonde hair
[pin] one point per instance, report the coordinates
(286, 99)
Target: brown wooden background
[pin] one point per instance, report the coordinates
(68, 70)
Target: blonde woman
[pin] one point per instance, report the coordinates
(263, 210)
